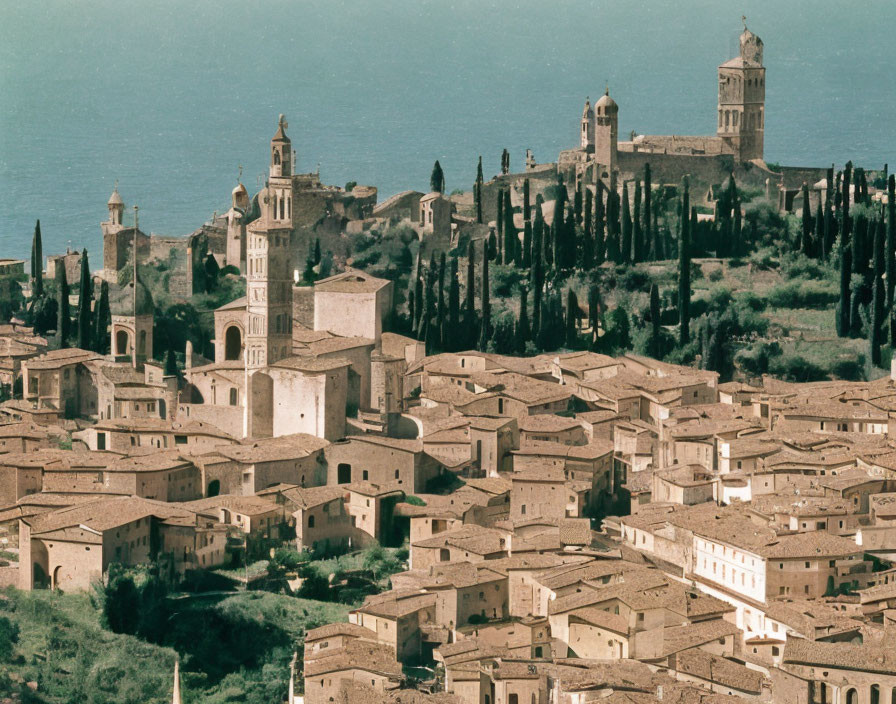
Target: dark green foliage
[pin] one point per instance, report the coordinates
(437, 178)
(552, 324)
(655, 346)
(577, 203)
(85, 298)
(503, 340)
(37, 263)
(806, 241)
(452, 336)
(485, 309)
(523, 330)
(636, 253)
(594, 305)
(510, 237)
(572, 315)
(505, 162)
(537, 273)
(63, 313)
(647, 229)
(599, 227)
(170, 363)
(440, 310)
(618, 333)
(212, 272)
(626, 246)
(477, 191)
(9, 636)
(820, 242)
(684, 266)
(844, 304)
(890, 248)
(877, 313)
(470, 322)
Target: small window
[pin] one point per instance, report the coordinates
(180, 439)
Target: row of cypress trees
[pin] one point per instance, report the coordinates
(89, 329)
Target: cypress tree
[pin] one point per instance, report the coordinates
(821, 243)
(505, 162)
(577, 203)
(877, 310)
(637, 242)
(477, 191)
(491, 249)
(626, 247)
(37, 263)
(437, 178)
(469, 298)
(499, 220)
(594, 314)
(737, 228)
(85, 298)
(527, 227)
(600, 247)
(807, 222)
(659, 252)
(102, 321)
(684, 267)
(654, 321)
(647, 230)
(572, 309)
(538, 235)
(843, 305)
(63, 314)
(891, 254)
(170, 362)
(537, 279)
(440, 311)
(485, 332)
(510, 238)
(450, 340)
(829, 229)
(587, 250)
(523, 332)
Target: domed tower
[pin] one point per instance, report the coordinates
(606, 131)
(236, 228)
(116, 208)
(132, 319)
(588, 127)
(742, 99)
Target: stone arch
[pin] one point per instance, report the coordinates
(233, 342)
(214, 488)
(55, 581)
(852, 696)
(122, 342)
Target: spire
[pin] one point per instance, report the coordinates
(175, 696)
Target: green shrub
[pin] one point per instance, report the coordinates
(803, 294)
(716, 275)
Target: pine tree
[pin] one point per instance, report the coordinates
(102, 321)
(655, 340)
(891, 255)
(523, 332)
(637, 238)
(486, 329)
(63, 314)
(450, 340)
(85, 298)
(572, 311)
(626, 246)
(807, 222)
(684, 266)
(470, 326)
(437, 179)
(647, 229)
(37, 263)
(877, 309)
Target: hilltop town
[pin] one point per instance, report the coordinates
(284, 458)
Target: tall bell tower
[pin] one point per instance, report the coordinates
(269, 269)
(742, 99)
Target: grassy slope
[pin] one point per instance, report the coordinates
(63, 646)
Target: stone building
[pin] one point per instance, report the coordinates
(132, 322)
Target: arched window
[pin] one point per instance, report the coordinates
(233, 343)
(233, 397)
(276, 158)
(875, 694)
(121, 342)
(852, 697)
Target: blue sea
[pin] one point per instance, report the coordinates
(169, 98)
